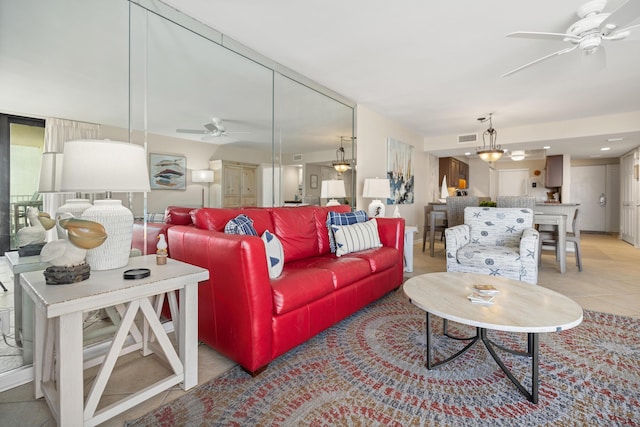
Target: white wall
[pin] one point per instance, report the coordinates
(372, 131)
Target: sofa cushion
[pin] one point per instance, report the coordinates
(344, 271)
(241, 224)
(346, 218)
(356, 237)
(217, 218)
(296, 229)
(297, 287)
(476, 255)
(379, 259)
(275, 256)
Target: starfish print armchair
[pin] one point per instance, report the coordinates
(496, 242)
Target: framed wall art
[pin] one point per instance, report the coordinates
(167, 172)
(400, 172)
(314, 181)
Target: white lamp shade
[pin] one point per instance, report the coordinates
(93, 166)
(50, 173)
(204, 175)
(376, 188)
(332, 189)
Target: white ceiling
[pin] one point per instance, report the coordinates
(435, 66)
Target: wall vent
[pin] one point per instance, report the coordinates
(297, 157)
(471, 137)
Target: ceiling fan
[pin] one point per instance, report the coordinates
(588, 33)
(214, 128)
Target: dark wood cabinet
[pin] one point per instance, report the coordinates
(455, 170)
(553, 171)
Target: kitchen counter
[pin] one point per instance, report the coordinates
(556, 204)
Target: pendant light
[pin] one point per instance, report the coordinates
(492, 152)
(341, 165)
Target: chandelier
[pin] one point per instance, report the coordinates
(492, 152)
(341, 165)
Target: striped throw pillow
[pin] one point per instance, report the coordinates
(356, 237)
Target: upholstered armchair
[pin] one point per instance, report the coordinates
(496, 242)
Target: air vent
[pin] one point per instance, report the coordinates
(297, 157)
(471, 137)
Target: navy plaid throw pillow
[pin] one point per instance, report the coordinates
(347, 218)
(241, 224)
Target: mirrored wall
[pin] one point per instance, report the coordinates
(144, 73)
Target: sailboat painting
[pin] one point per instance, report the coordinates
(167, 172)
(400, 172)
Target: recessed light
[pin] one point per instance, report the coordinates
(614, 139)
(467, 153)
(546, 147)
(605, 149)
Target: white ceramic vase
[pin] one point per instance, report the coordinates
(117, 221)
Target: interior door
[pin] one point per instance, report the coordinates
(588, 187)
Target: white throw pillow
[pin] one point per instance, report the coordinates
(275, 254)
(356, 237)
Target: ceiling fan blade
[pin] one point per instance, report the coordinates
(543, 36)
(193, 131)
(551, 55)
(622, 16)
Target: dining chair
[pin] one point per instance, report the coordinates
(455, 208)
(550, 239)
(427, 226)
(516, 202)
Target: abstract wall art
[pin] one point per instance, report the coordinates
(400, 172)
(167, 172)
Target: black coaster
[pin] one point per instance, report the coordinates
(136, 273)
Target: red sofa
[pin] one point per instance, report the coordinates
(173, 215)
(253, 319)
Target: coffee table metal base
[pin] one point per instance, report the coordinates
(481, 335)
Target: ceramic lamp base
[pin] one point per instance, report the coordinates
(117, 221)
(376, 209)
(333, 202)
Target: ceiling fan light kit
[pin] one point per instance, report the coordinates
(589, 32)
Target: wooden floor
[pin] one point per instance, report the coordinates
(609, 282)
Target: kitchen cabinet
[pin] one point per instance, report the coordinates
(455, 170)
(234, 184)
(553, 171)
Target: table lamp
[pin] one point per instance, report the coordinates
(49, 182)
(332, 189)
(376, 188)
(204, 175)
(95, 166)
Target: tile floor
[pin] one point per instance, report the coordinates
(609, 283)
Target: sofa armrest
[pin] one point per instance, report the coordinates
(529, 252)
(391, 232)
(455, 238)
(236, 304)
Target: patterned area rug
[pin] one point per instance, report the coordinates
(369, 370)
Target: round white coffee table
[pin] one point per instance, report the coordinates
(518, 307)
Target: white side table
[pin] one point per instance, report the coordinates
(23, 307)
(59, 364)
(409, 231)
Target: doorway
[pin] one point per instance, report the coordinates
(597, 189)
(21, 145)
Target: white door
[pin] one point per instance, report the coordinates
(513, 182)
(588, 189)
